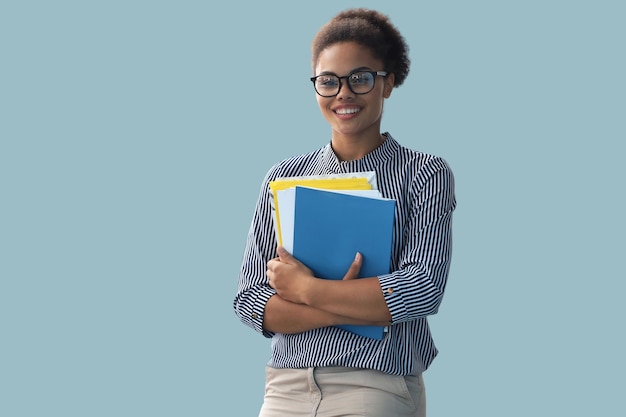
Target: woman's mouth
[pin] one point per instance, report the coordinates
(347, 111)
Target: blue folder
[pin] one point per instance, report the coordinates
(331, 227)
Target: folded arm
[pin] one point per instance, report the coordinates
(349, 301)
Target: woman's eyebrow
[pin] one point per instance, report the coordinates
(351, 71)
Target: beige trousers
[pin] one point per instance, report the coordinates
(341, 392)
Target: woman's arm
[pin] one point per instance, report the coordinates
(348, 299)
(282, 316)
(412, 291)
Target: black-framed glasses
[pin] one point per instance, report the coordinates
(359, 82)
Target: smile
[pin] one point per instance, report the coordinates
(348, 111)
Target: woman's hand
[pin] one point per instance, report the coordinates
(346, 301)
(293, 280)
(289, 277)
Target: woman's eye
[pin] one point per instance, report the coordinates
(358, 78)
(327, 81)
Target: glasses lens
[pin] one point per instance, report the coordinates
(327, 85)
(361, 82)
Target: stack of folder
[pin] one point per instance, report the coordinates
(324, 221)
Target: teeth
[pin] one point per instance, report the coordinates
(347, 111)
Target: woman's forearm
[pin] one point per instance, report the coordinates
(282, 316)
(357, 298)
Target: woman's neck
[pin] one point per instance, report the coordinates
(351, 148)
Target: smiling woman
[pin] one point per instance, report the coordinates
(354, 116)
(317, 368)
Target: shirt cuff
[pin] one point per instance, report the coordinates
(258, 310)
(393, 297)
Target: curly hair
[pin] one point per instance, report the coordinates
(371, 29)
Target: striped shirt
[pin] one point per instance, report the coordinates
(423, 187)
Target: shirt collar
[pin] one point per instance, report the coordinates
(369, 162)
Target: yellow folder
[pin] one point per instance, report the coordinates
(354, 181)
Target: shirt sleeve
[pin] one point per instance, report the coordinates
(416, 288)
(253, 289)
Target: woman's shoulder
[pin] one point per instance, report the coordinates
(419, 168)
(421, 160)
(296, 165)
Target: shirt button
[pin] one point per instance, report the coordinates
(389, 290)
(255, 316)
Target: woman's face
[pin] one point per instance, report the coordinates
(349, 114)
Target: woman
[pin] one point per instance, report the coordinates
(317, 369)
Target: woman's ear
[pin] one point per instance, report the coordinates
(389, 83)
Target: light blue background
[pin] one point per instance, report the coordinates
(134, 138)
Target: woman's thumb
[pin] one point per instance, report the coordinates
(355, 267)
(284, 255)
